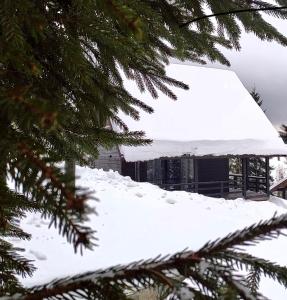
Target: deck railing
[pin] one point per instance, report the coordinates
(235, 185)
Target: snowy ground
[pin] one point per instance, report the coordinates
(139, 220)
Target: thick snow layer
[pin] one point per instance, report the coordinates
(140, 220)
(201, 148)
(216, 116)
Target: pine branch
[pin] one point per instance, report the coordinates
(12, 264)
(253, 280)
(10, 260)
(240, 289)
(249, 236)
(65, 207)
(211, 268)
(60, 66)
(17, 95)
(237, 11)
(48, 173)
(247, 262)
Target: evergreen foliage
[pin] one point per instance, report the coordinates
(61, 69)
(215, 271)
(256, 96)
(283, 133)
(256, 165)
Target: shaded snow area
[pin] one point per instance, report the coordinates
(140, 220)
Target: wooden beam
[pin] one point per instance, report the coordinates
(267, 170)
(137, 171)
(195, 164)
(70, 170)
(244, 177)
(247, 172)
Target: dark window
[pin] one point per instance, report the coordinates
(170, 171)
(154, 174)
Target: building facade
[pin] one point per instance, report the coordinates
(196, 137)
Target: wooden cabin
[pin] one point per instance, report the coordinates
(198, 138)
(279, 188)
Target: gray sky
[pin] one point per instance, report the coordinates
(263, 65)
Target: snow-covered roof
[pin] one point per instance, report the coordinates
(216, 116)
(282, 183)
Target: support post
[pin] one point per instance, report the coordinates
(222, 189)
(244, 177)
(70, 170)
(137, 171)
(3, 181)
(247, 173)
(257, 184)
(4, 126)
(196, 175)
(267, 176)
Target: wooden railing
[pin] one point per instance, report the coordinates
(234, 185)
(253, 183)
(214, 188)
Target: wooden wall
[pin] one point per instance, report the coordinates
(108, 159)
(136, 171)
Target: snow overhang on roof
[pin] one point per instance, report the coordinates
(281, 184)
(215, 117)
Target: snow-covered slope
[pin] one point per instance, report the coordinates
(139, 220)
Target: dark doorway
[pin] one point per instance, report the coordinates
(136, 170)
(213, 176)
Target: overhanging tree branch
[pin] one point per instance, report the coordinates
(66, 89)
(210, 267)
(237, 11)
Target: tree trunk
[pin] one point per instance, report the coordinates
(70, 170)
(3, 150)
(3, 180)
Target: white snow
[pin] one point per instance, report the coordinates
(216, 116)
(38, 255)
(185, 294)
(140, 220)
(203, 266)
